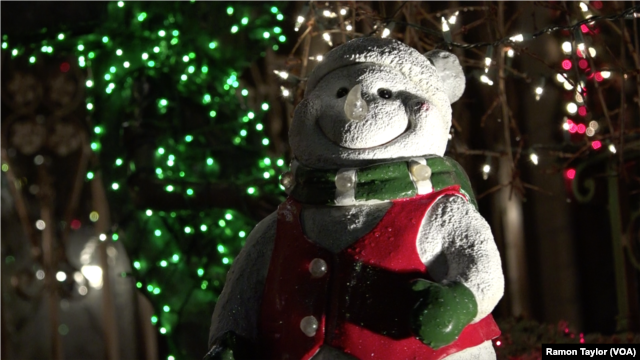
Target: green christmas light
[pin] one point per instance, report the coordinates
(163, 102)
(189, 192)
(204, 284)
(156, 291)
(118, 162)
(203, 227)
(166, 308)
(171, 157)
(185, 58)
(265, 141)
(277, 30)
(32, 59)
(161, 33)
(251, 115)
(212, 45)
(205, 69)
(220, 249)
(213, 113)
(265, 106)
(280, 162)
(4, 45)
(154, 319)
(282, 38)
(160, 151)
(89, 106)
(94, 146)
(138, 284)
(126, 64)
(136, 264)
(112, 70)
(5, 168)
(170, 357)
(225, 260)
(142, 16)
(243, 132)
(209, 161)
(228, 216)
(119, 52)
(105, 39)
(14, 52)
(149, 212)
(60, 36)
(175, 32)
(157, 232)
(175, 257)
(115, 186)
(163, 330)
(234, 29)
(188, 138)
(230, 10)
(191, 69)
(267, 161)
(251, 190)
(169, 188)
(242, 234)
(92, 55)
(245, 20)
(149, 288)
(156, 49)
(222, 223)
(89, 175)
(174, 41)
(192, 55)
(266, 34)
(259, 127)
(97, 129)
(145, 56)
(151, 63)
(237, 140)
(163, 263)
(107, 77)
(245, 92)
(200, 271)
(187, 230)
(120, 3)
(183, 77)
(266, 175)
(80, 47)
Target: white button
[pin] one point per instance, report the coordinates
(317, 268)
(421, 172)
(344, 181)
(309, 326)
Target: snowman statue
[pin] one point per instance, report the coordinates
(379, 251)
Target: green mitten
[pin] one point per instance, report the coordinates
(442, 312)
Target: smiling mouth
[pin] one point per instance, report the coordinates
(410, 126)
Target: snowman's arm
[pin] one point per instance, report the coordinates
(456, 242)
(238, 306)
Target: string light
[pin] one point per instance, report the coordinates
(534, 158)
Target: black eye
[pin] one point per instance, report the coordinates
(342, 92)
(385, 93)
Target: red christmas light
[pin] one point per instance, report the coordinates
(566, 64)
(571, 174)
(75, 224)
(596, 145)
(498, 343)
(579, 53)
(581, 128)
(582, 110)
(599, 76)
(584, 28)
(597, 4)
(583, 64)
(573, 128)
(64, 67)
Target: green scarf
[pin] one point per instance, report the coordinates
(387, 181)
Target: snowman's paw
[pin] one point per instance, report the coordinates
(442, 312)
(230, 346)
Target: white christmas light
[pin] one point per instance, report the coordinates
(539, 90)
(453, 18)
(386, 33)
(326, 13)
(517, 38)
(592, 52)
(510, 53)
(612, 148)
(285, 91)
(534, 158)
(93, 273)
(572, 108)
(566, 47)
(327, 38)
(61, 276)
(485, 79)
(590, 132)
(343, 11)
(594, 125)
(445, 26)
(568, 86)
(299, 22)
(319, 57)
(566, 126)
(579, 98)
(584, 7)
(349, 27)
(560, 78)
(103, 237)
(283, 74)
(605, 74)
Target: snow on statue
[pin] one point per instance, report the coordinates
(379, 251)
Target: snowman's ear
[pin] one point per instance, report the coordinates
(450, 72)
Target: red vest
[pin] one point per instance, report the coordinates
(363, 302)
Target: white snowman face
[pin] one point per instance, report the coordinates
(396, 118)
(383, 95)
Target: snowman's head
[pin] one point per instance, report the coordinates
(372, 100)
